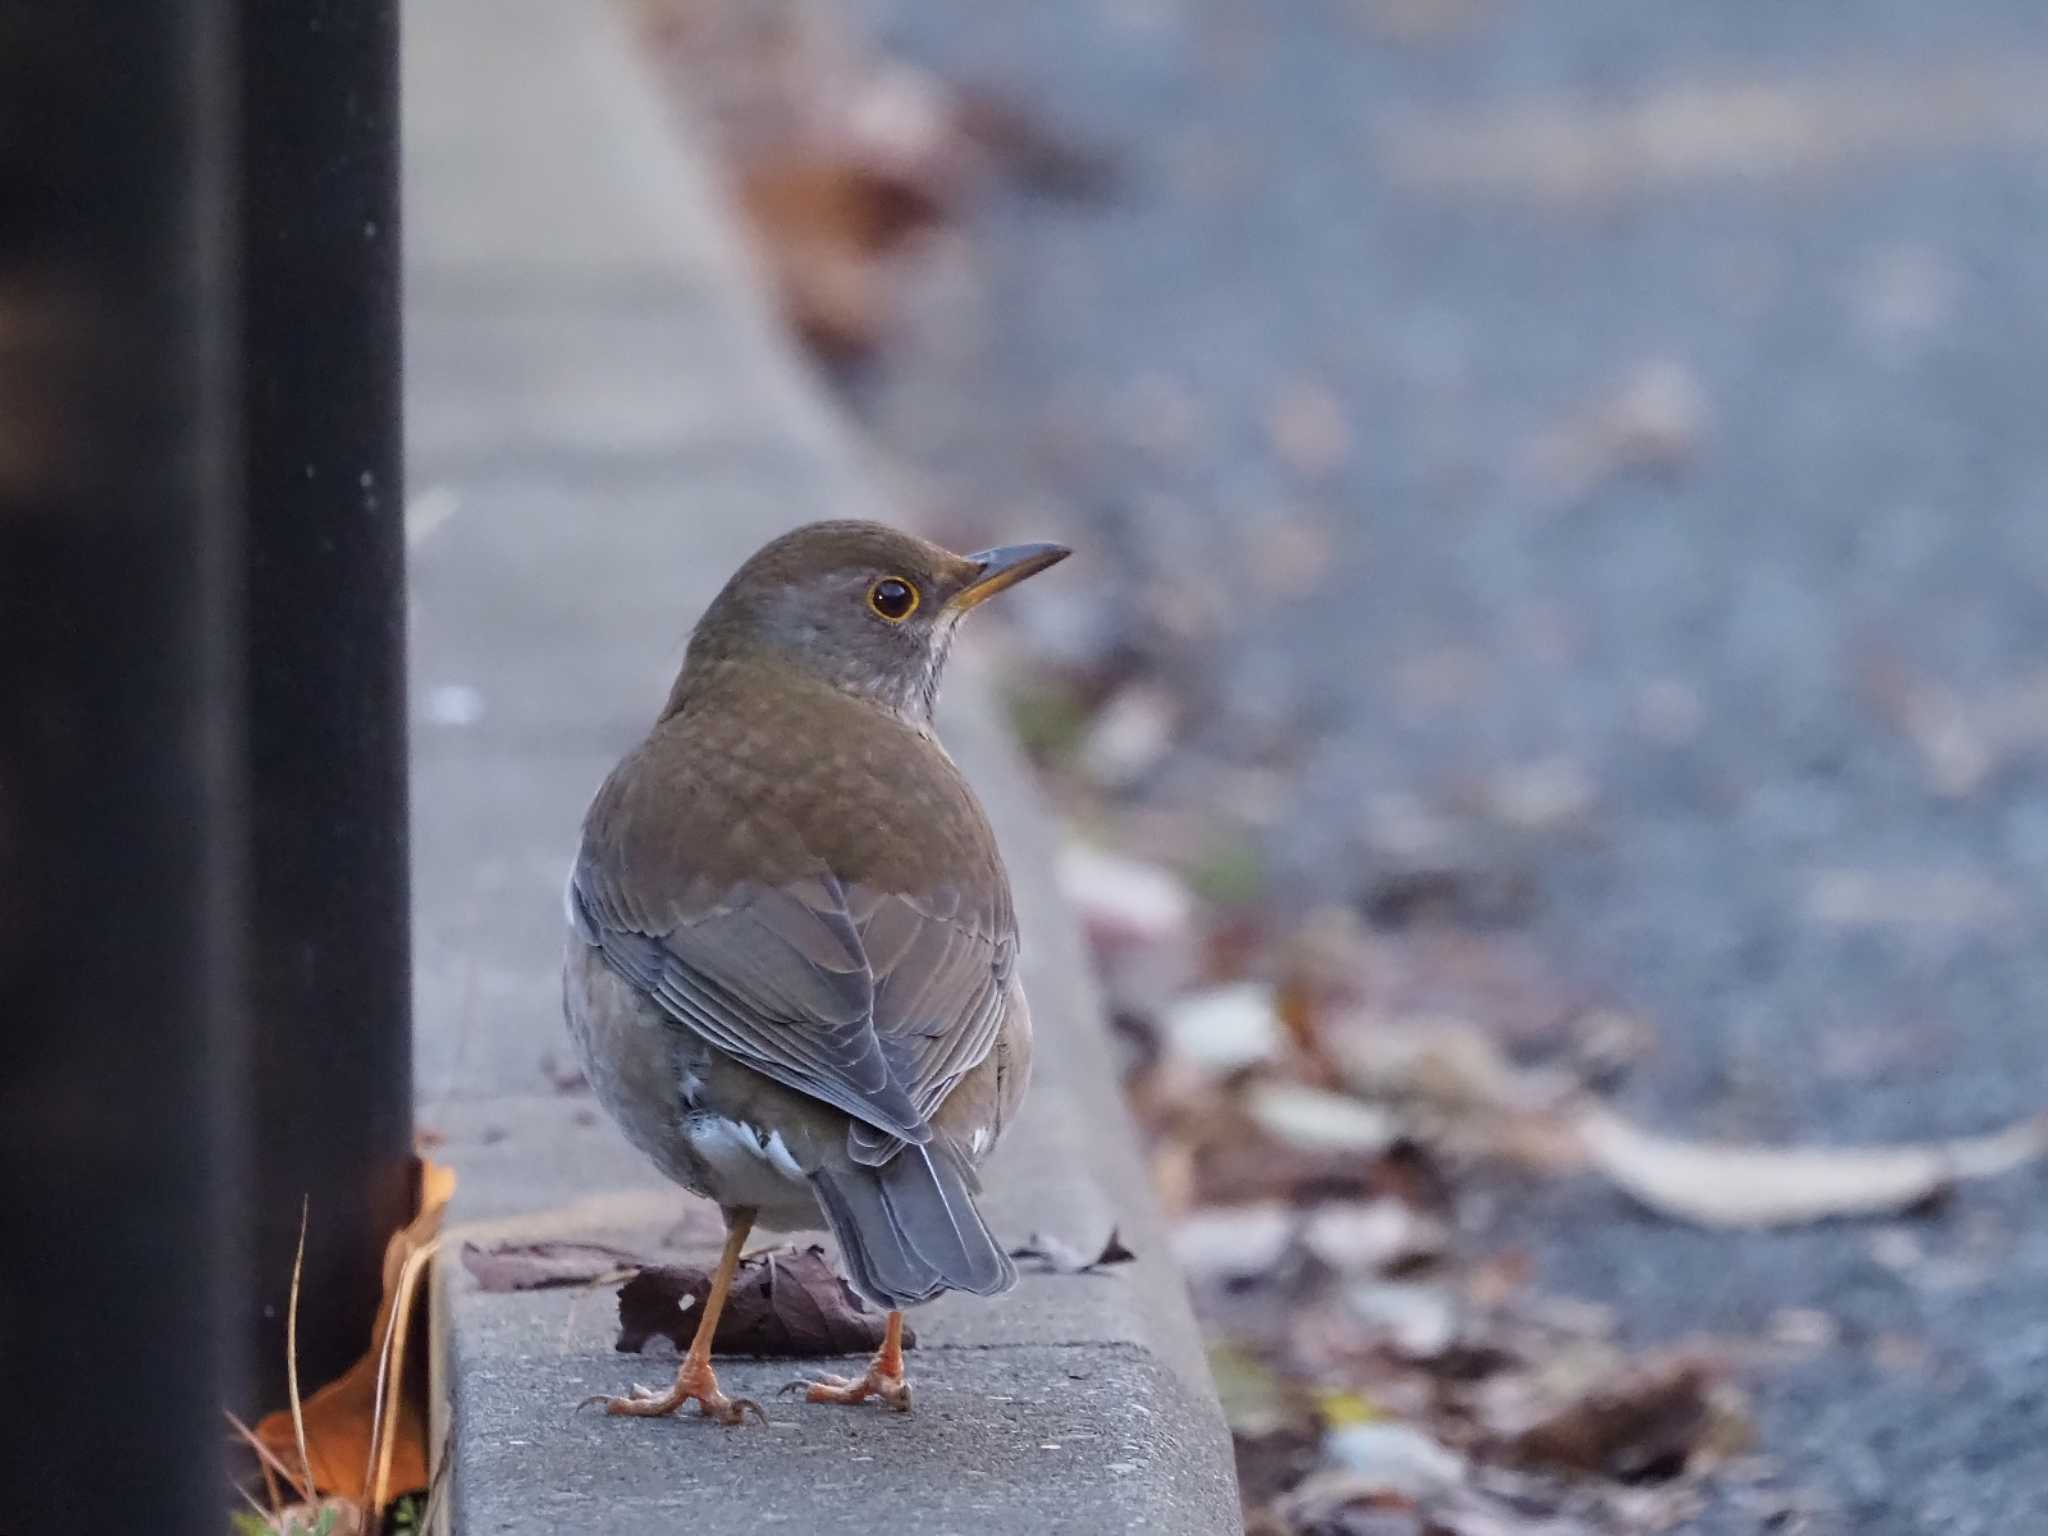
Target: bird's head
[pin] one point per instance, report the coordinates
(862, 607)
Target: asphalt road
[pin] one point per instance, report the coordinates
(1614, 434)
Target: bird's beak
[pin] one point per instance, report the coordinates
(1005, 567)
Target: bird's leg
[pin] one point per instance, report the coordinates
(884, 1378)
(694, 1379)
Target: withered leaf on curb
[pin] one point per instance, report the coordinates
(1057, 1256)
(537, 1266)
(785, 1302)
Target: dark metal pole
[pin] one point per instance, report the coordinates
(118, 700)
(328, 939)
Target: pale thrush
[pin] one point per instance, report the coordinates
(792, 961)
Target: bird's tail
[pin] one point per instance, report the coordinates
(909, 1229)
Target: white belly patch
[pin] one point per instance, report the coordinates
(747, 1169)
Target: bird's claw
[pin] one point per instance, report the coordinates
(636, 1393)
(807, 1382)
(645, 1403)
(738, 1407)
(893, 1390)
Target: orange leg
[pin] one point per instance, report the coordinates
(884, 1378)
(695, 1382)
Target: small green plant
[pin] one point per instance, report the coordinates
(300, 1522)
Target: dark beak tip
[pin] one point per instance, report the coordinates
(1002, 568)
(1036, 556)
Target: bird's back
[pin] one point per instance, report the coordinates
(754, 771)
(810, 886)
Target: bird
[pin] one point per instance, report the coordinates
(791, 971)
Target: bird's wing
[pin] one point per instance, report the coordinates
(874, 1003)
(941, 970)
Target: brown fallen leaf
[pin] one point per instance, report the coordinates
(1233, 1160)
(786, 1303)
(537, 1266)
(824, 223)
(1057, 1256)
(841, 154)
(1642, 1425)
(345, 1421)
(1726, 1184)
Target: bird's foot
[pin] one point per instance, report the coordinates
(695, 1383)
(889, 1386)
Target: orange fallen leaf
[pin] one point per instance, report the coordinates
(348, 1448)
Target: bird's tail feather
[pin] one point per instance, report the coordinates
(909, 1229)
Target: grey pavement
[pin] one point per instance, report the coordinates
(1824, 229)
(604, 420)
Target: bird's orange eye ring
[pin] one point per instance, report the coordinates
(893, 598)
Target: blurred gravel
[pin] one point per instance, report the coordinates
(1594, 451)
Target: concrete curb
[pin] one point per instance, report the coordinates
(605, 420)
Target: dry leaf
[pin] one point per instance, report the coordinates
(840, 154)
(537, 1266)
(1225, 1028)
(1723, 1184)
(339, 1418)
(1642, 1425)
(1314, 1120)
(1357, 1237)
(820, 223)
(1418, 1322)
(1234, 1160)
(1386, 1457)
(786, 1302)
(1233, 1244)
(1124, 903)
(1445, 1062)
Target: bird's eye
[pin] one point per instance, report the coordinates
(893, 598)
